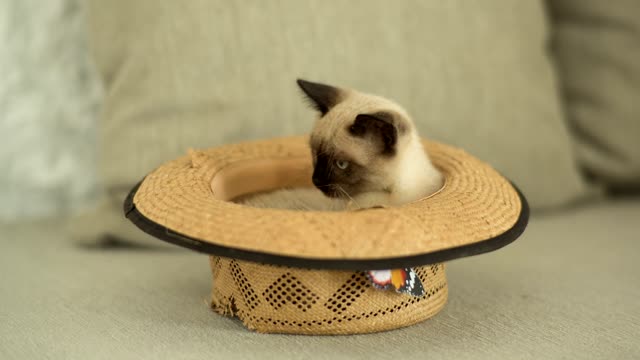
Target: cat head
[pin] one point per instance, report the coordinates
(357, 140)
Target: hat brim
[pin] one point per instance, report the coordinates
(185, 202)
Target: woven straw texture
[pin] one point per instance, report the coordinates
(475, 204)
(277, 299)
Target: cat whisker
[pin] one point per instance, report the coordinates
(325, 152)
(347, 194)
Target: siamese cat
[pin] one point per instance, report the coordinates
(366, 153)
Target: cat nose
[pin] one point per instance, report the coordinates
(316, 180)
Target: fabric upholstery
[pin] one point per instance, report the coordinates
(567, 289)
(596, 45)
(203, 73)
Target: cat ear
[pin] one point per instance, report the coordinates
(381, 127)
(323, 97)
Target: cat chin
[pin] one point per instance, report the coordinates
(332, 193)
(371, 199)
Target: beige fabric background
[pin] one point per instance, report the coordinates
(597, 46)
(202, 73)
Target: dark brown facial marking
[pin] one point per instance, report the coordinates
(332, 180)
(380, 128)
(323, 97)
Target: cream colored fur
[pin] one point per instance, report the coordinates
(407, 176)
(294, 199)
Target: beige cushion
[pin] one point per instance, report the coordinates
(203, 73)
(597, 46)
(566, 290)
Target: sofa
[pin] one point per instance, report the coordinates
(545, 92)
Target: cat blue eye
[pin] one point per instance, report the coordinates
(342, 164)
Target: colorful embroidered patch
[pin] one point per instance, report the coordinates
(404, 281)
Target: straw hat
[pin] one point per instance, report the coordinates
(186, 202)
(301, 272)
